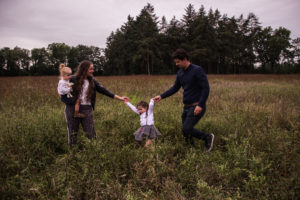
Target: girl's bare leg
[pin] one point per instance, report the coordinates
(148, 143)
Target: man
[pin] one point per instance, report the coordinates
(195, 92)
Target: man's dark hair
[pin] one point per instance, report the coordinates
(180, 54)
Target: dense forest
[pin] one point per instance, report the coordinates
(144, 44)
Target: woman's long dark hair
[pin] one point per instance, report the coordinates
(80, 76)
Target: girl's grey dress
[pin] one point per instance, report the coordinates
(147, 129)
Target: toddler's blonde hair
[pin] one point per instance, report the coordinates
(63, 69)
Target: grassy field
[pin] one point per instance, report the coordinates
(256, 155)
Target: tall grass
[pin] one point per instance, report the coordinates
(255, 119)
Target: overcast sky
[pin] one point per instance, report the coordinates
(37, 23)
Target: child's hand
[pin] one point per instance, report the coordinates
(70, 84)
(126, 100)
(157, 99)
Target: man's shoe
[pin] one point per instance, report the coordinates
(209, 142)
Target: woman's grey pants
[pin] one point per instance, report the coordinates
(87, 123)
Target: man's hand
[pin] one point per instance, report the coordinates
(197, 110)
(157, 99)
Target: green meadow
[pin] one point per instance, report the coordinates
(256, 154)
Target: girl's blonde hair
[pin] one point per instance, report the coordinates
(63, 69)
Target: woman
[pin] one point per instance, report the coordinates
(85, 87)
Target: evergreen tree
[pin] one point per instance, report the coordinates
(188, 20)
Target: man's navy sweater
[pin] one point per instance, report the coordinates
(194, 83)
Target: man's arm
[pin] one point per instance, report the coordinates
(170, 91)
(203, 86)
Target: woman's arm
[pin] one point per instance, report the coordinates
(121, 98)
(108, 93)
(102, 90)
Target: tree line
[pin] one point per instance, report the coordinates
(45, 61)
(144, 44)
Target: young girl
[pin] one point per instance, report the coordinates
(65, 87)
(147, 129)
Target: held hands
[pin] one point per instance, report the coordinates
(157, 99)
(124, 98)
(197, 110)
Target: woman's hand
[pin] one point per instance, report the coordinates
(124, 98)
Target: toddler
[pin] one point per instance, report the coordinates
(147, 129)
(65, 87)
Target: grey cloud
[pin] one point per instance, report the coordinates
(41, 22)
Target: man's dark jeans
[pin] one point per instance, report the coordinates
(189, 120)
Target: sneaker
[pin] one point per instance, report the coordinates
(79, 115)
(209, 142)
